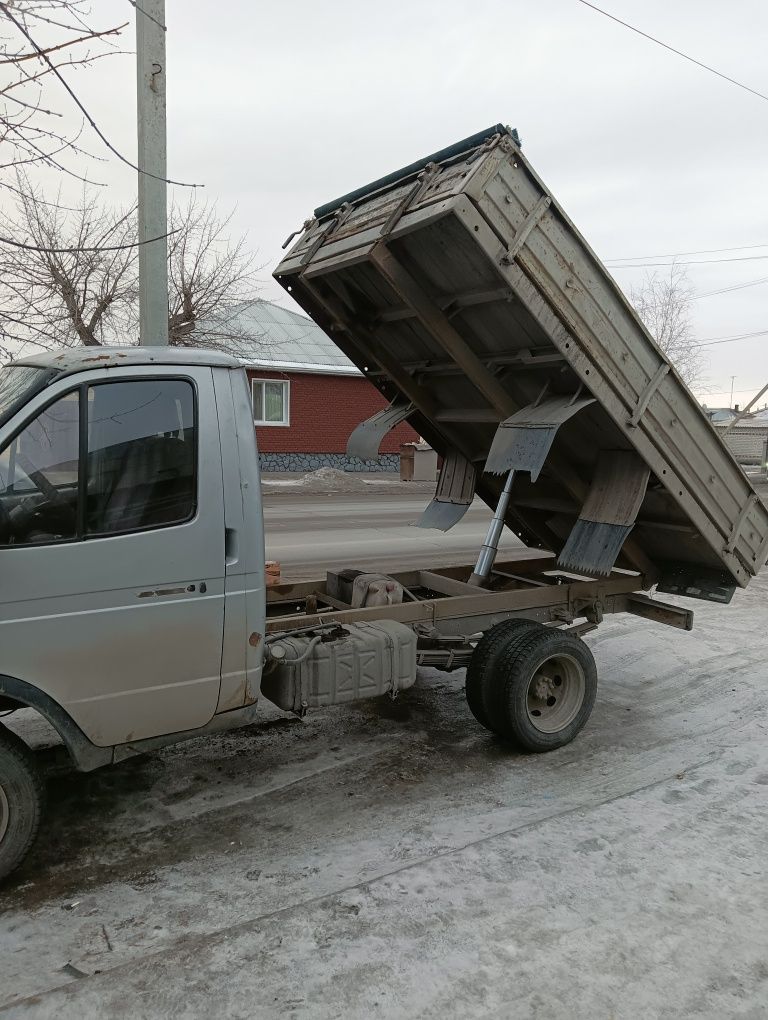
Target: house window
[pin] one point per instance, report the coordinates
(270, 402)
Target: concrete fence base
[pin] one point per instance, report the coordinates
(303, 462)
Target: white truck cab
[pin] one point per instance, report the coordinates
(131, 544)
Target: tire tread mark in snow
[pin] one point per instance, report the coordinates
(229, 931)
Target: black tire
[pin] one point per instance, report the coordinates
(543, 690)
(484, 662)
(22, 798)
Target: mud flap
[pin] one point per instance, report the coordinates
(454, 494)
(608, 515)
(365, 440)
(523, 441)
(697, 582)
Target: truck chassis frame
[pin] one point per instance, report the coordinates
(446, 612)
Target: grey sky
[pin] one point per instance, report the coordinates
(277, 107)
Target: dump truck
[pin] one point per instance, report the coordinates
(133, 606)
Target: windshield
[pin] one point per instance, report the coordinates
(17, 384)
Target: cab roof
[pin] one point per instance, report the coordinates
(73, 359)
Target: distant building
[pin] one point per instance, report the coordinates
(747, 438)
(724, 415)
(718, 415)
(307, 396)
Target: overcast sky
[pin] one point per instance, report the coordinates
(278, 107)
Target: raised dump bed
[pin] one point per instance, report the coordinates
(462, 290)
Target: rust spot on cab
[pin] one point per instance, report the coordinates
(254, 640)
(105, 357)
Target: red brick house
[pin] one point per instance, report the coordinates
(308, 397)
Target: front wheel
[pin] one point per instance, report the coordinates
(22, 795)
(543, 690)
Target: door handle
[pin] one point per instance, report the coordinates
(231, 546)
(155, 593)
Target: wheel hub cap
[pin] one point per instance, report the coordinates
(555, 693)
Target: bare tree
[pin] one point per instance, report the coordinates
(210, 278)
(41, 42)
(72, 277)
(74, 280)
(664, 305)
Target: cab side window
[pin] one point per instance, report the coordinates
(141, 455)
(136, 468)
(39, 477)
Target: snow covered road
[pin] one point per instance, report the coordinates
(393, 859)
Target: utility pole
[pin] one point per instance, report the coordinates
(730, 405)
(153, 211)
(747, 409)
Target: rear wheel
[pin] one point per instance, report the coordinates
(542, 690)
(483, 665)
(22, 795)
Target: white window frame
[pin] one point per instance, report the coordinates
(286, 384)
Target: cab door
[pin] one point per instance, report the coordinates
(112, 550)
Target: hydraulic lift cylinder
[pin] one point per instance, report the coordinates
(487, 556)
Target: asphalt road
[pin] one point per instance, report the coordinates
(394, 860)
(311, 533)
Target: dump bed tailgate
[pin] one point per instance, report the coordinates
(463, 291)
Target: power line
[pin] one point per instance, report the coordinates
(691, 262)
(610, 264)
(81, 248)
(715, 341)
(52, 67)
(679, 254)
(736, 393)
(679, 53)
(735, 286)
(146, 14)
(731, 336)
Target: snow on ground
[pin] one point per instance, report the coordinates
(327, 480)
(392, 859)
